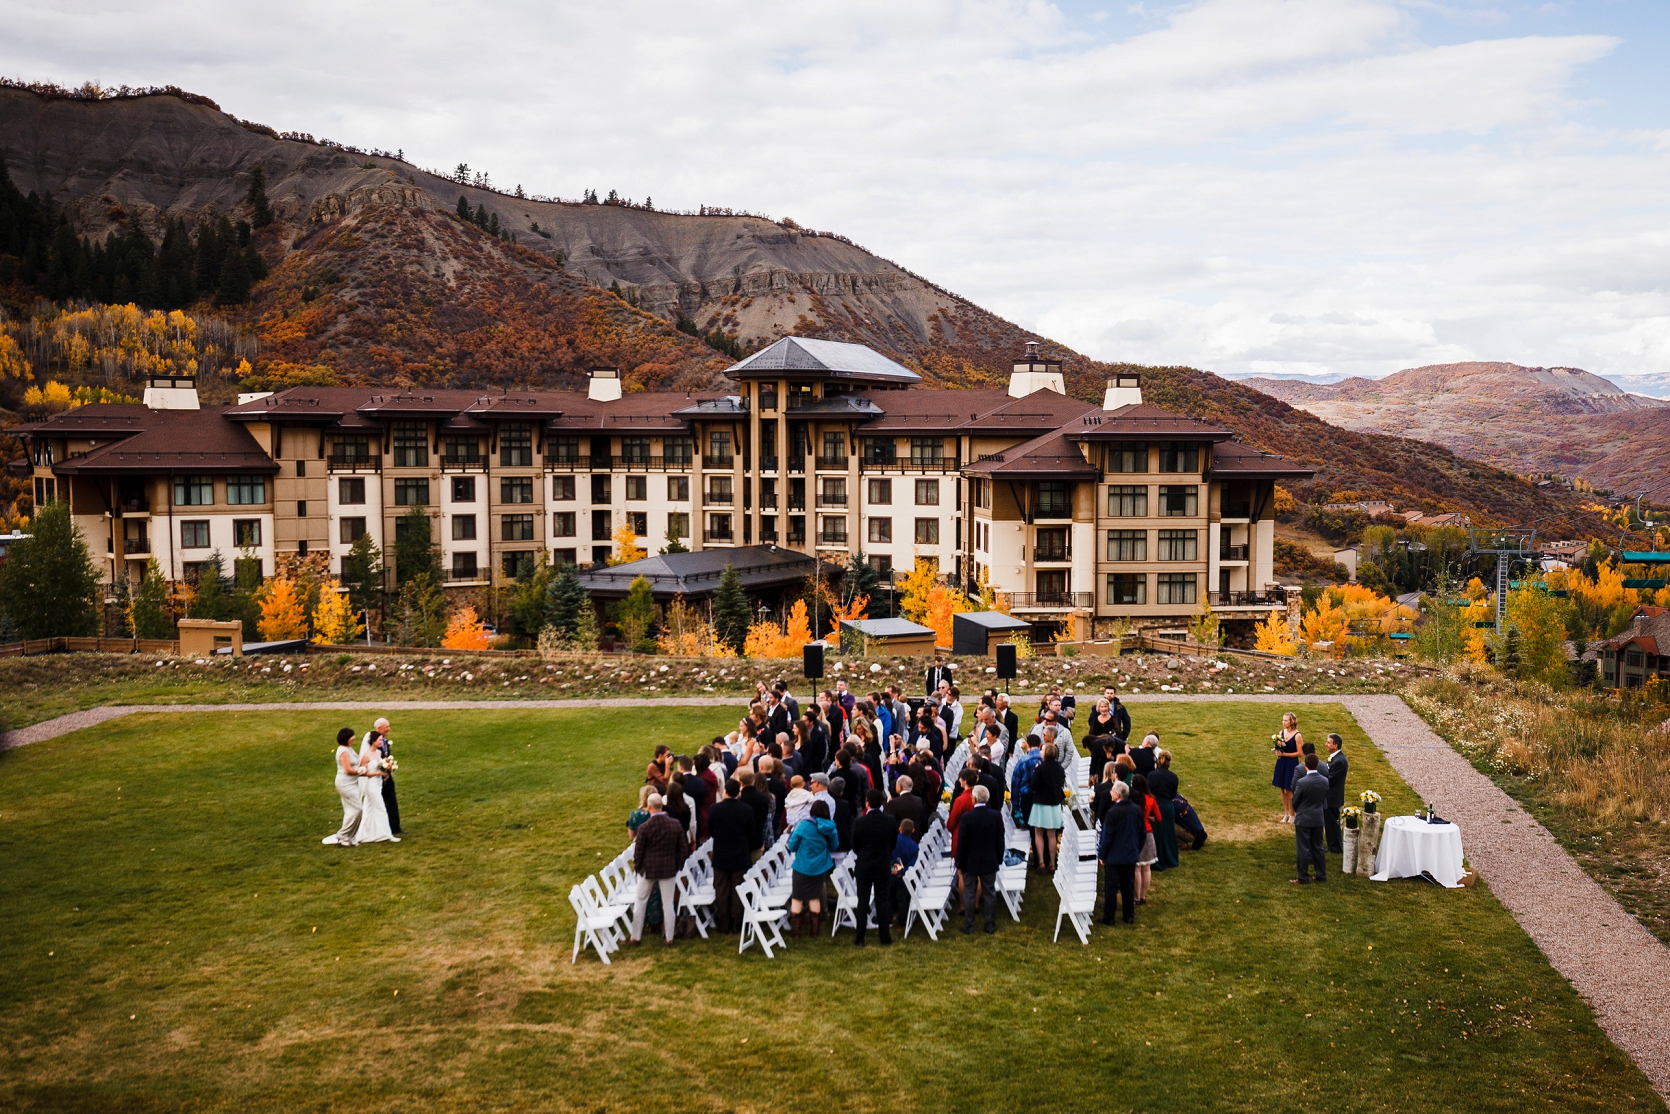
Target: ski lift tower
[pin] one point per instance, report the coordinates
(1504, 545)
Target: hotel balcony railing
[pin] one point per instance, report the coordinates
(353, 462)
(712, 463)
(796, 538)
(1051, 599)
(465, 574)
(767, 534)
(797, 465)
(131, 546)
(568, 463)
(725, 536)
(1236, 510)
(768, 464)
(797, 502)
(463, 463)
(1244, 599)
(833, 463)
(1232, 553)
(909, 465)
(1052, 553)
(718, 498)
(768, 502)
(826, 499)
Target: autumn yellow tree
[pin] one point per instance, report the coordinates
(1325, 624)
(943, 602)
(626, 547)
(465, 631)
(687, 631)
(335, 622)
(913, 589)
(766, 641)
(282, 615)
(1274, 636)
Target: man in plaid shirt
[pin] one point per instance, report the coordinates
(658, 854)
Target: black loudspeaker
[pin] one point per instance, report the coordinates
(812, 664)
(1006, 660)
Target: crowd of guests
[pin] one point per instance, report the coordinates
(864, 775)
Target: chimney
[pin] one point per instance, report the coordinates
(605, 384)
(1034, 373)
(1123, 390)
(171, 392)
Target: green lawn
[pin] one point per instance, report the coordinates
(175, 937)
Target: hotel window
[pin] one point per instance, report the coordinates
(832, 530)
(350, 492)
(562, 524)
(1053, 501)
(516, 528)
(1179, 502)
(880, 450)
(678, 489)
(403, 527)
(1175, 588)
(562, 488)
(719, 491)
(411, 493)
(1127, 501)
(1178, 545)
(834, 445)
(637, 488)
(768, 494)
(832, 491)
(768, 443)
(516, 445)
(768, 397)
(463, 527)
(883, 566)
(351, 530)
(719, 448)
(461, 450)
(678, 524)
(301, 467)
(464, 566)
(246, 490)
(881, 493)
(1127, 588)
(719, 527)
(983, 494)
(1127, 545)
(927, 493)
(1127, 456)
(516, 489)
(463, 488)
(1051, 544)
(565, 556)
(411, 445)
(927, 531)
(194, 534)
(246, 532)
(602, 488)
(301, 508)
(881, 529)
(677, 451)
(927, 451)
(46, 491)
(351, 450)
(634, 450)
(194, 491)
(639, 522)
(565, 450)
(1179, 456)
(518, 563)
(602, 526)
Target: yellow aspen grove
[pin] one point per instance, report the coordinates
(335, 622)
(282, 614)
(465, 631)
(1274, 637)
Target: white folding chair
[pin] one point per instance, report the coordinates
(593, 927)
(693, 888)
(762, 922)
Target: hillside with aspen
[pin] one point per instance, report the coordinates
(299, 260)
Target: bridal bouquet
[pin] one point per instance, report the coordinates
(390, 764)
(1370, 799)
(1066, 794)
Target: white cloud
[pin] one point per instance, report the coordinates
(1300, 185)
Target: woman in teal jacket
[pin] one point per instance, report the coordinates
(813, 844)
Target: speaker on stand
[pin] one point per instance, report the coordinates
(1006, 663)
(812, 661)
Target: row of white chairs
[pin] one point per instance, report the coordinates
(930, 881)
(1075, 879)
(764, 892)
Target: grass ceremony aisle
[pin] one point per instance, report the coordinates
(176, 938)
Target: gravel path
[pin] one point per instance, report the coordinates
(1618, 967)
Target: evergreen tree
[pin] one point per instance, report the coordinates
(414, 549)
(261, 213)
(673, 544)
(122, 592)
(860, 579)
(149, 615)
(464, 207)
(493, 224)
(212, 600)
(362, 574)
(49, 584)
(232, 289)
(730, 611)
(420, 612)
(614, 288)
(246, 588)
(565, 599)
(528, 605)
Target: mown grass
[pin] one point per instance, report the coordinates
(176, 938)
(38, 688)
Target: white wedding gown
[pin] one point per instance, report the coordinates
(374, 824)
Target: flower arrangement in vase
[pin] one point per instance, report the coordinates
(1352, 817)
(1371, 800)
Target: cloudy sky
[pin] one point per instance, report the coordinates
(1291, 186)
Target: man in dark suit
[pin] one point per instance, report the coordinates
(1118, 851)
(1310, 798)
(777, 714)
(378, 737)
(979, 854)
(937, 673)
(1338, 767)
(736, 835)
(907, 804)
(873, 837)
(1009, 719)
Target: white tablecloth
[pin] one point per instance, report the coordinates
(1409, 845)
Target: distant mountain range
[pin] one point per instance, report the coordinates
(1653, 386)
(1526, 419)
(374, 274)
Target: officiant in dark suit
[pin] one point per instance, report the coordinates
(939, 673)
(378, 737)
(1338, 767)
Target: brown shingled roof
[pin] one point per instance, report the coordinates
(1231, 459)
(1052, 456)
(167, 441)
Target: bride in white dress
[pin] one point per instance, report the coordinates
(374, 820)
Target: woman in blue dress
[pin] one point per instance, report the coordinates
(1288, 741)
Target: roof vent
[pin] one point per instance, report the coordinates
(1123, 390)
(1034, 373)
(605, 384)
